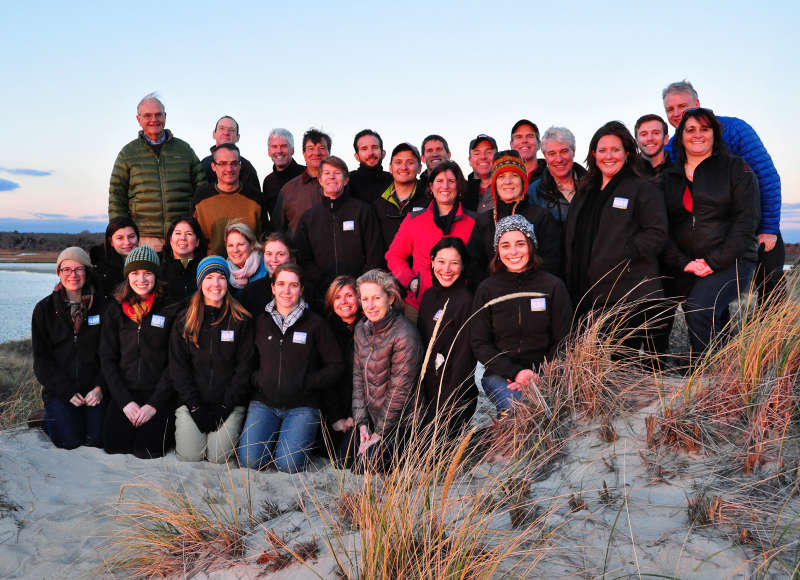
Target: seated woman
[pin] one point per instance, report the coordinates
(65, 334)
(210, 358)
(134, 355)
(121, 237)
(298, 362)
(511, 338)
(449, 389)
(341, 305)
(257, 293)
(386, 364)
(244, 256)
(713, 206)
(178, 271)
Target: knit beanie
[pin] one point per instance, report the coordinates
(141, 258)
(74, 253)
(212, 264)
(514, 223)
(508, 161)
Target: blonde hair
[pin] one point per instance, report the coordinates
(387, 283)
(195, 314)
(244, 230)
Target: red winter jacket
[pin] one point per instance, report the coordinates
(417, 235)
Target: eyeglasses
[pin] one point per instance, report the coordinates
(70, 271)
(149, 116)
(224, 164)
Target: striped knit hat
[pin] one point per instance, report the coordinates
(514, 223)
(509, 160)
(212, 264)
(141, 258)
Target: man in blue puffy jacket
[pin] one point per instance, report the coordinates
(742, 140)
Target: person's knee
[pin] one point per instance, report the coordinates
(291, 463)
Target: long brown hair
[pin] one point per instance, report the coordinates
(195, 314)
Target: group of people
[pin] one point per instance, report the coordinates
(230, 320)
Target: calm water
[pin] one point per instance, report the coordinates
(21, 287)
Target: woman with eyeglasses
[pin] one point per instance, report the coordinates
(65, 333)
(713, 205)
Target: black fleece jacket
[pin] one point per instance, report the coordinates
(217, 370)
(367, 183)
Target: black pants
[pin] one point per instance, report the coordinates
(769, 271)
(153, 439)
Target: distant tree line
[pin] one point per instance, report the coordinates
(47, 242)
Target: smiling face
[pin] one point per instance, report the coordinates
(124, 240)
(332, 180)
(698, 139)
(434, 153)
(183, 241)
(404, 167)
(226, 166)
(287, 291)
(214, 287)
(151, 118)
(226, 131)
(559, 157)
(480, 159)
(676, 103)
(345, 304)
(651, 138)
(368, 151)
(513, 251)
(610, 156)
(275, 254)
(279, 151)
(374, 301)
(508, 186)
(238, 248)
(523, 140)
(72, 275)
(142, 281)
(447, 266)
(445, 189)
(314, 153)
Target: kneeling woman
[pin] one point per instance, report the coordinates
(66, 334)
(512, 337)
(298, 364)
(386, 364)
(211, 356)
(134, 355)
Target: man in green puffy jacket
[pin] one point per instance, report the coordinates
(154, 176)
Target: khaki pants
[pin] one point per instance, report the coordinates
(191, 444)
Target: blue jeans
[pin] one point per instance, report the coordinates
(282, 436)
(69, 426)
(496, 388)
(707, 303)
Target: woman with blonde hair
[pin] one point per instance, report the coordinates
(211, 358)
(244, 256)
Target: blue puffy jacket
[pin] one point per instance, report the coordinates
(743, 141)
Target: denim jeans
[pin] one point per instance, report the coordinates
(282, 436)
(69, 426)
(707, 303)
(496, 388)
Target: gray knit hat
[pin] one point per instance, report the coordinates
(74, 253)
(141, 258)
(514, 223)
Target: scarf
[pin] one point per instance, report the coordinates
(291, 318)
(77, 311)
(444, 222)
(138, 310)
(240, 276)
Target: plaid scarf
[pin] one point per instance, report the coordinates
(77, 311)
(291, 318)
(138, 310)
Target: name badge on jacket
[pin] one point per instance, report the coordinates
(438, 314)
(348, 225)
(157, 321)
(93, 320)
(226, 335)
(538, 304)
(299, 337)
(620, 202)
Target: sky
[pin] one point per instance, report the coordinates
(74, 72)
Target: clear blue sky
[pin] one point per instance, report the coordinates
(75, 71)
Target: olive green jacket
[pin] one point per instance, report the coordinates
(153, 189)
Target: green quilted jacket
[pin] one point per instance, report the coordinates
(153, 189)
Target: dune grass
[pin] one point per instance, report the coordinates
(20, 392)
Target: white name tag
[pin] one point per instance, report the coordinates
(438, 314)
(538, 304)
(226, 335)
(439, 360)
(348, 225)
(93, 320)
(620, 202)
(157, 321)
(417, 208)
(299, 337)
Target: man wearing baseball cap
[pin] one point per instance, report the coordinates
(478, 196)
(404, 195)
(525, 140)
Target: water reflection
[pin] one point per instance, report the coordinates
(21, 287)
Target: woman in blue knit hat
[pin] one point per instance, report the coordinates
(211, 358)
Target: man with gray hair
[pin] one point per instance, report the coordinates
(556, 187)
(154, 176)
(742, 141)
(280, 148)
(227, 131)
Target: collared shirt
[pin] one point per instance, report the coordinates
(158, 141)
(285, 322)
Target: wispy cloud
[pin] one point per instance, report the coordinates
(790, 215)
(28, 172)
(6, 185)
(98, 216)
(51, 216)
